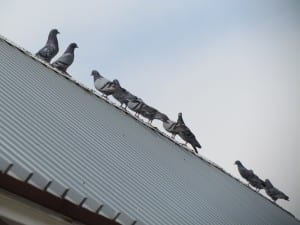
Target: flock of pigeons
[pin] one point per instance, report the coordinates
(258, 184)
(107, 87)
(137, 105)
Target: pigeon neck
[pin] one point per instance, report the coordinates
(180, 120)
(52, 39)
(240, 165)
(96, 77)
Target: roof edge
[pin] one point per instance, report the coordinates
(52, 202)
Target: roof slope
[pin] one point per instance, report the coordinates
(65, 133)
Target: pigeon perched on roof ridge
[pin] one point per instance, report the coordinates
(102, 84)
(250, 176)
(187, 135)
(173, 127)
(244, 172)
(273, 192)
(121, 94)
(66, 59)
(136, 106)
(256, 182)
(151, 113)
(51, 47)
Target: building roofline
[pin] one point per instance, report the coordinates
(155, 129)
(52, 202)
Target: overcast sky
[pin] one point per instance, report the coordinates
(231, 67)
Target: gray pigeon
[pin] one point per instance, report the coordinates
(102, 84)
(186, 134)
(51, 48)
(136, 106)
(151, 113)
(172, 127)
(250, 176)
(273, 192)
(63, 62)
(122, 95)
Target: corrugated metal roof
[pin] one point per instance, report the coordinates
(68, 135)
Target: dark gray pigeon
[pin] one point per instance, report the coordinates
(273, 192)
(141, 108)
(172, 127)
(250, 176)
(102, 84)
(256, 182)
(63, 62)
(151, 113)
(51, 48)
(245, 173)
(187, 134)
(122, 95)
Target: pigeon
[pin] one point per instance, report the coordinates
(250, 176)
(140, 108)
(256, 182)
(245, 173)
(63, 62)
(186, 134)
(102, 84)
(151, 113)
(172, 127)
(122, 95)
(136, 106)
(273, 192)
(51, 48)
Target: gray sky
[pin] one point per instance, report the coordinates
(231, 67)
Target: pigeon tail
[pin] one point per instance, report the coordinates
(194, 147)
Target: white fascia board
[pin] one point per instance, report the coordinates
(25, 212)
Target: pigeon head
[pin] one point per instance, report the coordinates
(238, 162)
(116, 82)
(268, 183)
(52, 39)
(71, 48)
(54, 32)
(180, 119)
(95, 74)
(73, 45)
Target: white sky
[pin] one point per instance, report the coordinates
(232, 68)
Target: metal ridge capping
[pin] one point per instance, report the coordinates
(37, 180)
